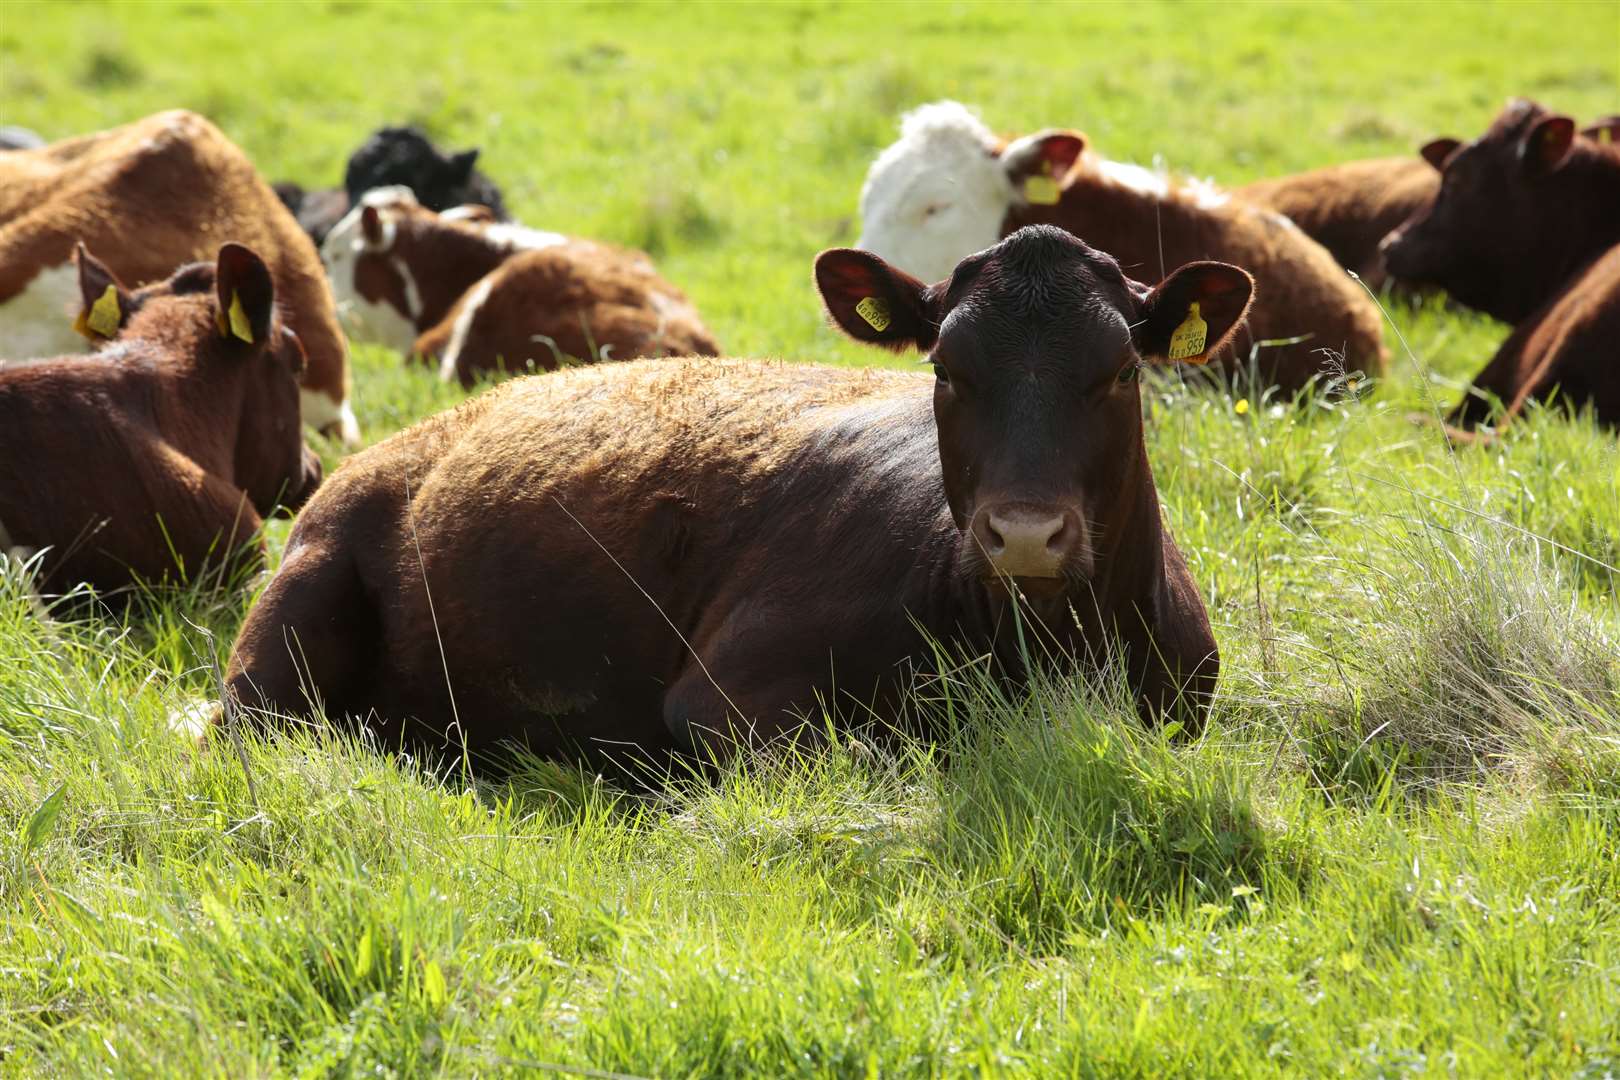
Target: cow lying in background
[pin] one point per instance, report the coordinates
(159, 455)
(477, 296)
(809, 528)
(395, 157)
(1349, 208)
(1525, 228)
(148, 197)
(948, 187)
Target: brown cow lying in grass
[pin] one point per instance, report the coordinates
(477, 296)
(157, 456)
(1349, 208)
(651, 554)
(1527, 228)
(146, 198)
(948, 187)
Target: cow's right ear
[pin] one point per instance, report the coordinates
(461, 165)
(1191, 314)
(1438, 151)
(1037, 164)
(246, 296)
(371, 227)
(1547, 144)
(104, 303)
(873, 302)
(1605, 130)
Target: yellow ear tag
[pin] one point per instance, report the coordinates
(1187, 342)
(1042, 190)
(875, 311)
(239, 320)
(103, 317)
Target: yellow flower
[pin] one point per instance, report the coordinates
(1241, 407)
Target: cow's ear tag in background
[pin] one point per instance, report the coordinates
(103, 317)
(1187, 341)
(1042, 189)
(239, 320)
(876, 313)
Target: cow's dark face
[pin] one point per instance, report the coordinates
(1035, 345)
(1496, 216)
(403, 156)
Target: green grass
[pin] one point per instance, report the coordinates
(1395, 851)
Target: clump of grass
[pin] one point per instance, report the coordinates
(1484, 661)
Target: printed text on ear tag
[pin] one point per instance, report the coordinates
(875, 311)
(103, 317)
(239, 320)
(1187, 341)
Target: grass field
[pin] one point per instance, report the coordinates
(1395, 851)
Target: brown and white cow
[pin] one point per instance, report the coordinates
(647, 554)
(477, 296)
(159, 455)
(1349, 208)
(948, 187)
(147, 198)
(1525, 228)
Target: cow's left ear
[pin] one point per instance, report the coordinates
(461, 165)
(1547, 144)
(1037, 164)
(873, 302)
(1438, 151)
(104, 303)
(245, 294)
(1192, 313)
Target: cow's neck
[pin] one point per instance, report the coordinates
(444, 262)
(1135, 226)
(1589, 181)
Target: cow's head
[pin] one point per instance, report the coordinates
(945, 188)
(1035, 345)
(1496, 225)
(216, 329)
(377, 297)
(403, 156)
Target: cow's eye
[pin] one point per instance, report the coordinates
(1129, 373)
(935, 208)
(942, 376)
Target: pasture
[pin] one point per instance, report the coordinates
(1394, 851)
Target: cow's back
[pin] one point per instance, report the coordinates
(149, 197)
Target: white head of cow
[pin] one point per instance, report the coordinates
(943, 189)
(380, 308)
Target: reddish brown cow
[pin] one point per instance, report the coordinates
(948, 187)
(147, 198)
(647, 553)
(478, 296)
(1520, 210)
(159, 455)
(1524, 228)
(1349, 208)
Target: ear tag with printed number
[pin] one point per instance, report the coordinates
(875, 311)
(239, 320)
(1187, 341)
(103, 317)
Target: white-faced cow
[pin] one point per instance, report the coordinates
(147, 198)
(653, 554)
(160, 455)
(948, 187)
(1525, 227)
(475, 296)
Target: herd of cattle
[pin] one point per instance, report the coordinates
(681, 551)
